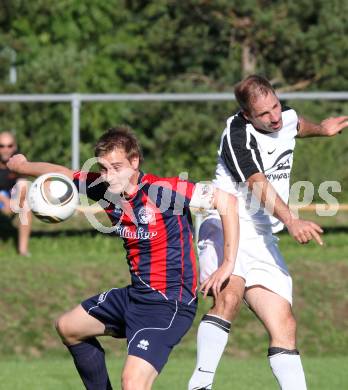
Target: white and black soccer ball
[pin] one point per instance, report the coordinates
(53, 197)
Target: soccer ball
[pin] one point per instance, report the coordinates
(53, 197)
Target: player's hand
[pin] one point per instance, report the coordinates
(216, 280)
(15, 163)
(303, 231)
(332, 126)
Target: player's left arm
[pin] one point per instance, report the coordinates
(20, 165)
(326, 128)
(227, 206)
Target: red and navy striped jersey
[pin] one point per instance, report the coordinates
(155, 225)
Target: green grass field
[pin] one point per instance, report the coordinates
(237, 374)
(71, 261)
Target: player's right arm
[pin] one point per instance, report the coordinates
(206, 197)
(19, 164)
(242, 158)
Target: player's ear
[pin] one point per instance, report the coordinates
(134, 161)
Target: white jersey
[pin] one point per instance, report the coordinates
(245, 151)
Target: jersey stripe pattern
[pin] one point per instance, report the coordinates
(156, 227)
(239, 150)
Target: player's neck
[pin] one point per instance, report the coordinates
(132, 187)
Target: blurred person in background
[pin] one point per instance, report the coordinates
(12, 185)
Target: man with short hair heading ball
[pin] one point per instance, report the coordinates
(152, 216)
(254, 164)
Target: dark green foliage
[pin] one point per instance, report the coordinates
(170, 46)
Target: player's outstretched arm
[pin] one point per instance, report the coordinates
(19, 164)
(227, 206)
(326, 128)
(301, 230)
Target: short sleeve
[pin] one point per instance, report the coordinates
(239, 152)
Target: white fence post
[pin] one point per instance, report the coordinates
(75, 136)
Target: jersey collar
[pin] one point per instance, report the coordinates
(134, 194)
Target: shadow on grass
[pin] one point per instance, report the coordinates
(65, 233)
(8, 230)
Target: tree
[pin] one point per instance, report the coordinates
(166, 46)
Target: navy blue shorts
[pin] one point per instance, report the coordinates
(152, 328)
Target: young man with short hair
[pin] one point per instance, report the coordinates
(254, 164)
(152, 216)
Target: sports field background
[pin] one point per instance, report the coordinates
(71, 261)
(195, 46)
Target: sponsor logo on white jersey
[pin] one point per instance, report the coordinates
(278, 176)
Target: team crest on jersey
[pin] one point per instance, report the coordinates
(146, 215)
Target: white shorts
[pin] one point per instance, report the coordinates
(258, 262)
